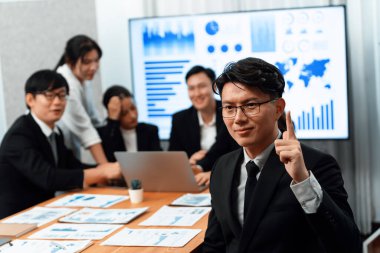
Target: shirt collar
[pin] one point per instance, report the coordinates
(202, 123)
(129, 131)
(261, 159)
(46, 130)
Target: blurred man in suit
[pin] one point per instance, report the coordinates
(34, 162)
(273, 194)
(195, 130)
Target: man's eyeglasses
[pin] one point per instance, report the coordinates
(250, 109)
(49, 95)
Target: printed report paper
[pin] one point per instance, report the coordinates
(152, 237)
(176, 216)
(75, 231)
(39, 215)
(114, 216)
(190, 199)
(45, 246)
(89, 200)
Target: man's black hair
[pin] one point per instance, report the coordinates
(45, 80)
(199, 69)
(252, 72)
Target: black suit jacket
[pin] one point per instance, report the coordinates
(112, 139)
(276, 221)
(185, 136)
(28, 174)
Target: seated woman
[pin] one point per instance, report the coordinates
(122, 132)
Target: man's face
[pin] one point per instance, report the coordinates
(254, 132)
(86, 67)
(199, 87)
(48, 106)
(128, 114)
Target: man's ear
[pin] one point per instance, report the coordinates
(280, 107)
(29, 99)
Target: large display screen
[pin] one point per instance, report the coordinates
(308, 45)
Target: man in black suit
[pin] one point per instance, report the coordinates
(273, 194)
(34, 162)
(196, 129)
(122, 132)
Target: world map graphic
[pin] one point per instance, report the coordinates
(314, 69)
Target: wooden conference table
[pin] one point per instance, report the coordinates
(153, 200)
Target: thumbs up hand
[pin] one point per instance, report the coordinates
(289, 150)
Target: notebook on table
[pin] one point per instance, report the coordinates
(16, 229)
(163, 171)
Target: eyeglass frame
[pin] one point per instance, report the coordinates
(54, 95)
(242, 108)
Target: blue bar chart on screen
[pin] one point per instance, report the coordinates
(308, 46)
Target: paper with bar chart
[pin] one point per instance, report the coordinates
(89, 200)
(152, 237)
(75, 231)
(176, 216)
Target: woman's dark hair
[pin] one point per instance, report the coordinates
(199, 69)
(45, 80)
(76, 48)
(252, 72)
(115, 90)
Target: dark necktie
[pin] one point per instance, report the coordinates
(53, 144)
(252, 170)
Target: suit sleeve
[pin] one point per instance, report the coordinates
(222, 145)
(214, 241)
(155, 139)
(29, 161)
(175, 133)
(111, 136)
(334, 221)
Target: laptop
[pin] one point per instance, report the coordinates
(159, 171)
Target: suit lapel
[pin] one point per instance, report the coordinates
(269, 178)
(60, 147)
(42, 139)
(228, 175)
(194, 131)
(141, 145)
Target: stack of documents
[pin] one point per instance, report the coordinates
(15, 229)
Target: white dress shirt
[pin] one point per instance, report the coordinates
(130, 139)
(208, 132)
(76, 123)
(46, 130)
